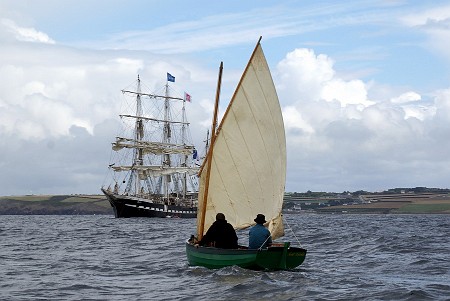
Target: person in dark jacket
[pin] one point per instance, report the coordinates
(259, 236)
(221, 234)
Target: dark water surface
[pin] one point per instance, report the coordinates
(350, 257)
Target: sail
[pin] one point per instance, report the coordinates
(248, 167)
(156, 148)
(156, 171)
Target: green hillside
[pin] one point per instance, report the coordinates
(54, 205)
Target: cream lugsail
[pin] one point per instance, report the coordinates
(248, 167)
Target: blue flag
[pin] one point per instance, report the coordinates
(170, 78)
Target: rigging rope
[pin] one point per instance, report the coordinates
(289, 227)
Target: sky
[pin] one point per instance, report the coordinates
(364, 85)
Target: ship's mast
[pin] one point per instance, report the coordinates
(206, 143)
(183, 141)
(139, 133)
(138, 136)
(166, 139)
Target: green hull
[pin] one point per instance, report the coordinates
(274, 258)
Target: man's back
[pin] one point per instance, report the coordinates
(222, 234)
(259, 237)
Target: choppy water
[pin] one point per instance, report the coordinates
(350, 257)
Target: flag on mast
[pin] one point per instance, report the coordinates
(187, 97)
(170, 77)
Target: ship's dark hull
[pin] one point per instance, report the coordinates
(125, 206)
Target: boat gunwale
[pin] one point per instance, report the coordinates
(219, 251)
(254, 259)
(240, 249)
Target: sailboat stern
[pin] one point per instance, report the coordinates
(274, 258)
(281, 257)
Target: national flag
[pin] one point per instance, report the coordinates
(170, 77)
(187, 97)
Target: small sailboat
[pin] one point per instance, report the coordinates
(154, 167)
(244, 174)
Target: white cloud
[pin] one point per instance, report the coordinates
(351, 92)
(293, 120)
(237, 27)
(306, 72)
(435, 23)
(407, 97)
(336, 135)
(427, 16)
(315, 79)
(26, 34)
(420, 112)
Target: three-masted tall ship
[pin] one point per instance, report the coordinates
(153, 164)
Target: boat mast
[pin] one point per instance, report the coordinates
(183, 141)
(138, 135)
(209, 156)
(166, 139)
(207, 143)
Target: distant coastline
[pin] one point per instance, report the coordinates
(55, 205)
(419, 200)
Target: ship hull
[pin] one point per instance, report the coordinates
(277, 257)
(126, 206)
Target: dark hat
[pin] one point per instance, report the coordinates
(220, 216)
(260, 219)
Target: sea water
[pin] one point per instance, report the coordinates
(350, 257)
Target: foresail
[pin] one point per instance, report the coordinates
(248, 170)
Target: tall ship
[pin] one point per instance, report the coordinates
(154, 165)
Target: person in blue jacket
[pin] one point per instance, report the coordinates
(259, 236)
